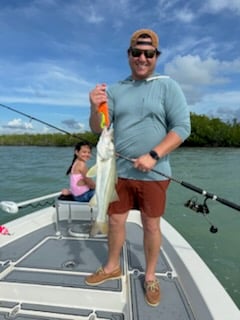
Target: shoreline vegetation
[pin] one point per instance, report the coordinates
(206, 132)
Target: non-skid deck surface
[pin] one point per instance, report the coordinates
(48, 262)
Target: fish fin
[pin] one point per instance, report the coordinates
(93, 201)
(115, 196)
(99, 229)
(92, 172)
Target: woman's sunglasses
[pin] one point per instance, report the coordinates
(149, 54)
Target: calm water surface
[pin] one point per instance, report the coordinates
(29, 172)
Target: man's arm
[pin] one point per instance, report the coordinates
(168, 144)
(95, 120)
(171, 141)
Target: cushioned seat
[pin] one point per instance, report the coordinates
(68, 202)
(69, 197)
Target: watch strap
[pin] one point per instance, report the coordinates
(154, 155)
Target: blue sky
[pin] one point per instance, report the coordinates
(53, 52)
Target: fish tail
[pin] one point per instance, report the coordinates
(99, 229)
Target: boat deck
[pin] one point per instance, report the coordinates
(42, 277)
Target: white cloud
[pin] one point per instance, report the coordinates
(175, 10)
(51, 67)
(73, 124)
(224, 105)
(166, 5)
(224, 98)
(194, 70)
(204, 47)
(43, 83)
(220, 5)
(18, 124)
(231, 66)
(185, 15)
(196, 74)
(92, 15)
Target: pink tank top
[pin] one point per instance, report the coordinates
(74, 188)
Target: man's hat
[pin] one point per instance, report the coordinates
(134, 39)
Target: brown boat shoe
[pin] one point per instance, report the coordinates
(152, 292)
(101, 276)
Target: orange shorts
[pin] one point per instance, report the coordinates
(147, 196)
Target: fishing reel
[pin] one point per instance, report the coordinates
(197, 207)
(201, 208)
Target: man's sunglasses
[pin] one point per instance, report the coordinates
(149, 54)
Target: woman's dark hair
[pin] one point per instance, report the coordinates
(78, 146)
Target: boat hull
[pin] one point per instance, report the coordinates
(48, 254)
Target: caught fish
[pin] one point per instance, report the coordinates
(106, 178)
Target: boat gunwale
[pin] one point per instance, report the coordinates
(182, 257)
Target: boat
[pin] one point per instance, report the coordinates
(46, 255)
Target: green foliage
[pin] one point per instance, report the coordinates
(206, 132)
(213, 132)
(54, 139)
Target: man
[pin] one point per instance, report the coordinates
(150, 119)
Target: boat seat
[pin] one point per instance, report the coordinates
(69, 202)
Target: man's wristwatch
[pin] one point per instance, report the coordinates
(154, 155)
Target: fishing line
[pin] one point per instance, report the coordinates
(190, 204)
(41, 121)
(193, 204)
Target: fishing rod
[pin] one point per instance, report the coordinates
(192, 203)
(187, 185)
(41, 121)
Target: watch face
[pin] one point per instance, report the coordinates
(154, 155)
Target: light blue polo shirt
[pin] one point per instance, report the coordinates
(142, 112)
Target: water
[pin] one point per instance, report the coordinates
(29, 172)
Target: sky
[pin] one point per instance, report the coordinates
(53, 52)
